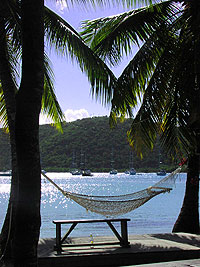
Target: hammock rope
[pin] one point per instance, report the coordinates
(116, 205)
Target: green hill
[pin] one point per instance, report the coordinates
(5, 162)
(88, 141)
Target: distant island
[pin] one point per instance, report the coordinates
(89, 143)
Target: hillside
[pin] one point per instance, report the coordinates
(89, 141)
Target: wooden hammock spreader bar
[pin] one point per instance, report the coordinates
(165, 189)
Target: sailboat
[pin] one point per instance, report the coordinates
(113, 171)
(131, 171)
(84, 171)
(74, 170)
(161, 172)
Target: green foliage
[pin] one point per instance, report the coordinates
(95, 140)
(5, 160)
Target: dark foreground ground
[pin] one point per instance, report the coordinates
(170, 250)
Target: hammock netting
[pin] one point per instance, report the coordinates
(116, 205)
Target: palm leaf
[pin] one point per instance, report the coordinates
(114, 36)
(145, 75)
(69, 43)
(135, 78)
(3, 112)
(165, 108)
(50, 105)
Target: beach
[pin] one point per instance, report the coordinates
(177, 249)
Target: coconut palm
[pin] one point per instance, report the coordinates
(9, 53)
(164, 78)
(20, 22)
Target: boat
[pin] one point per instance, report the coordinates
(86, 173)
(113, 171)
(161, 173)
(131, 171)
(76, 172)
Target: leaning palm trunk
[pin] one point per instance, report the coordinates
(28, 105)
(190, 207)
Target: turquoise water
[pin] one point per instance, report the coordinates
(156, 216)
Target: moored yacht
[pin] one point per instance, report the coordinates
(113, 171)
(87, 173)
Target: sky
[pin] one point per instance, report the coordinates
(71, 85)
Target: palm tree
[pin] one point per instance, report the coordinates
(21, 21)
(164, 78)
(8, 65)
(8, 101)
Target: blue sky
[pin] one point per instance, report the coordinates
(72, 87)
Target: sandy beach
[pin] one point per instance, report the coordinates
(145, 250)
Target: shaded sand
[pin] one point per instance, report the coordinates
(148, 248)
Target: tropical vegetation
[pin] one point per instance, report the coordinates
(163, 78)
(90, 141)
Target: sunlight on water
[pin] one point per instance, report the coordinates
(157, 215)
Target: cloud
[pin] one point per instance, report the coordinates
(70, 115)
(44, 119)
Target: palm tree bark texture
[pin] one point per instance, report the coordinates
(191, 200)
(28, 105)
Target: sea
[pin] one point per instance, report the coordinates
(158, 215)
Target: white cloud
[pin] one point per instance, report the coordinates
(70, 115)
(44, 119)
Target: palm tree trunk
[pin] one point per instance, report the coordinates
(28, 105)
(9, 91)
(188, 219)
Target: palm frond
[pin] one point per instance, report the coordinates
(50, 105)
(184, 104)
(132, 83)
(14, 57)
(69, 43)
(114, 36)
(166, 108)
(94, 3)
(147, 74)
(12, 22)
(3, 111)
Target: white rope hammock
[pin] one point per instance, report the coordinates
(115, 205)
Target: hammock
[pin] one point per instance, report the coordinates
(115, 205)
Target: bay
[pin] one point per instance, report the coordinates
(156, 216)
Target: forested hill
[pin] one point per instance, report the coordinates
(90, 142)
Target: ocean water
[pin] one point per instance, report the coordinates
(156, 216)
